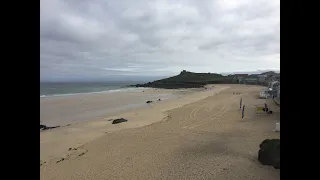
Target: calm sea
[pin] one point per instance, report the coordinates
(69, 88)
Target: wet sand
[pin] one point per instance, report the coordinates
(63, 110)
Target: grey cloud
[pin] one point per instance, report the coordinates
(84, 38)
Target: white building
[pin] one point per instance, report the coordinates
(274, 85)
(262, 78)
(264, 93)
(276, 77)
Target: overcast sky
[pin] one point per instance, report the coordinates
(94, 39)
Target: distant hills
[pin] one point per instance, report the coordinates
(251, 72)
(188, 79)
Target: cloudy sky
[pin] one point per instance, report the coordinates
(94, 39)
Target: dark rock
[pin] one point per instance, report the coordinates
(159, 99)
(62, 159)
(82, 154)
(269, 153)
(121, 120)
(44, 127)
(149, 102)
(70, 149)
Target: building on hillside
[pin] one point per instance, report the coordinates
(239, 77)
(264, 93)
(251, 80)
(269, 73)
(275, 77)
(262, 78)
(274, 87)
(269, 78)
(274, 84)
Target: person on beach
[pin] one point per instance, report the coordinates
(265, 107)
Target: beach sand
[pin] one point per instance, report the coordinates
(63, 110)
(198, 136)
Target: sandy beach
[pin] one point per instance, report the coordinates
(195, 134)
(70, 109)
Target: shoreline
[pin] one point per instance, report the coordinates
(123, 89)
(77, 134)
(70, 109)
(173, 139)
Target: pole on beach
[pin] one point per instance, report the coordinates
(243, 111)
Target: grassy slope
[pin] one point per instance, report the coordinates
(188, 80)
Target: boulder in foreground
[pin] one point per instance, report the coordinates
(269, 153)
(117, 121)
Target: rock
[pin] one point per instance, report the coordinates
(44, 127)
(83, 153)
(269, 153)
(121, 120)
(159, 99)
(62, 159)
(70, 149)
(149, 102)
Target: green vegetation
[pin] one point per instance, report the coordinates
(196, 80)
(188, 80)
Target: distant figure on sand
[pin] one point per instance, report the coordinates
(265, 107)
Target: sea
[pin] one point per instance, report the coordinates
(48, 89)
(77, 110)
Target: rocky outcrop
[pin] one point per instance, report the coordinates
(187, 80)
(149, 102)
(269, 153)
(44, 127)
(120, 120)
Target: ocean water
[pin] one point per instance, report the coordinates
(55, 111)
(71, 88)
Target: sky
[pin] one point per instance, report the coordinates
(101, 39)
